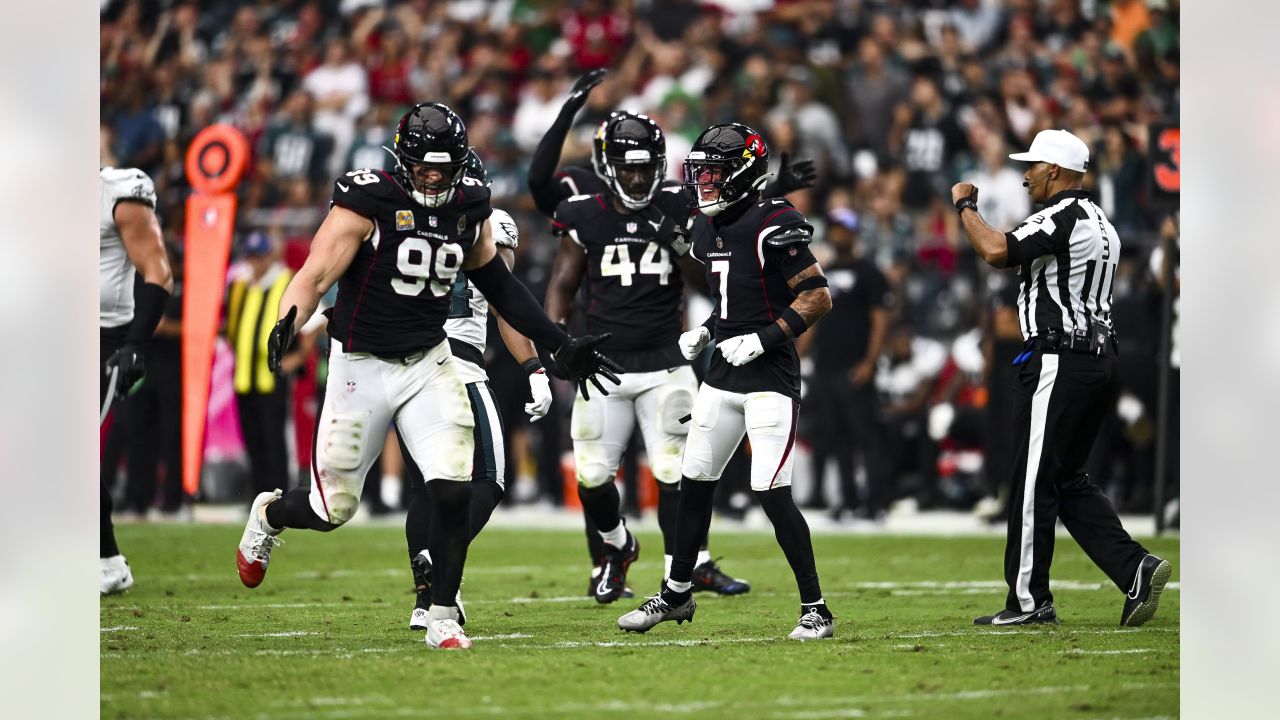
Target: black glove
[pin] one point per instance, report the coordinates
(281, 339)
(130, 362)
(582, 88)
(797, 176)
(579, 360)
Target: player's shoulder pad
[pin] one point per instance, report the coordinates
(365, 189)
(569, 208)
(782, 224)
(505, 232)
(472, 197)
(129, 184)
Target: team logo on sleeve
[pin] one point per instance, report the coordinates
(404, 220)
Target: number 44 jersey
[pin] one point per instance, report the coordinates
(633, 286)
(395, 296)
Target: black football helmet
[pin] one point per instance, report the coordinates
(634, 158)
(475, 168)
(731, 158)
(597, 147)
(431, 137)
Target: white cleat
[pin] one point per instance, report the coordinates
(813, 625)
(114, 575)
(443, 630)
(656, 610)
(418, 620)
(257, 541)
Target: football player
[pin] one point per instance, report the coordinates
(129, 243)
(394, 243)
(468, 330)
(549, 189)
(768, 290)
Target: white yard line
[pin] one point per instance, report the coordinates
(120, 628)
(1127, 651)
(287, 633)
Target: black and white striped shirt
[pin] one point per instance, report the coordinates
(1068, 254)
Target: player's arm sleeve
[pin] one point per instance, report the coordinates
(546, 189)
(518, 306)
(1031, 240)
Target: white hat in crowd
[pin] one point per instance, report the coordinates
(1057, 147)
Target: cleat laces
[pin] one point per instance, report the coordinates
(261, 543)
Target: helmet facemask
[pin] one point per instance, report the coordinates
(432, 181)
(634, 178)
(714, 182)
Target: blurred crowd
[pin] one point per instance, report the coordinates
(895, 100)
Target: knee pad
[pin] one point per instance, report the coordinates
(341, 450)
(665, 461)
(592, 466)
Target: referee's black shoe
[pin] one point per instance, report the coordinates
(1143, 598)
(1043, 615)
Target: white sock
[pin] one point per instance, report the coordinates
(680, 587)
(666, 566)
(704, 556)
(442, 612)
(616, 537)
(820, 601)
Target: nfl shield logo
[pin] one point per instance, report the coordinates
(631, 227)
(433, 221)
(351, 386)
(720, 243)
(404, 219)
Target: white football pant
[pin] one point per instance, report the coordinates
(602, 426)
(721, 418)
(425, 396)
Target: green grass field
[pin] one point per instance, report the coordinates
(326, 635)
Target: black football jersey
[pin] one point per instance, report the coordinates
(633, 287)
(748, 278)
(395, 296)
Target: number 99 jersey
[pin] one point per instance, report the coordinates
(469, 311)
(395, 296)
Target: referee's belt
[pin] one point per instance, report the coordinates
(1079, 341)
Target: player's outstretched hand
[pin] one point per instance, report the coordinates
(579, 360)
(582, 87)
(795, 176)
(742, 349)
(540, 393)
(130, 364)
(281, 339)
(693, 341)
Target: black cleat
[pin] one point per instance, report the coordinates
(1043, 615)
(1144, 596)
(594, 580)
(422, 585)
(612, 581)
(709, 576)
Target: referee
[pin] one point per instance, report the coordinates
(1065, 381)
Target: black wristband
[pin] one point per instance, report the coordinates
(531, 366)
(772, 336)
(964, 203)
(795, 322)
(148, 307)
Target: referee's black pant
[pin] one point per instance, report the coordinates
(1059, 403)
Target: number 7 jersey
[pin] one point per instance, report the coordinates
(395, 296)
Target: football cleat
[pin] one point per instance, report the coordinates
(114, 575)
(656, 610)
(1144, 596)
(1043, 615)
(422, 582)
(443, 630)
(257, 541)
(816, 623)
(612, 582)
(709, 576)
(594, 580)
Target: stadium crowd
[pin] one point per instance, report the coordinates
(893, 100)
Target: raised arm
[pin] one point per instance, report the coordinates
(546, 158)
(990, 244)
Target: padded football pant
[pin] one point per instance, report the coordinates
(1059, 404)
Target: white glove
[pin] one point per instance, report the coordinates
(692, 342)
(540, 391)
(742, 349)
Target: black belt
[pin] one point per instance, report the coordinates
(1080, 341)
(407, 358)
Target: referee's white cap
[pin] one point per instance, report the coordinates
(1057, 147)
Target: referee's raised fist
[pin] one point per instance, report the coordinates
(963, 190)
